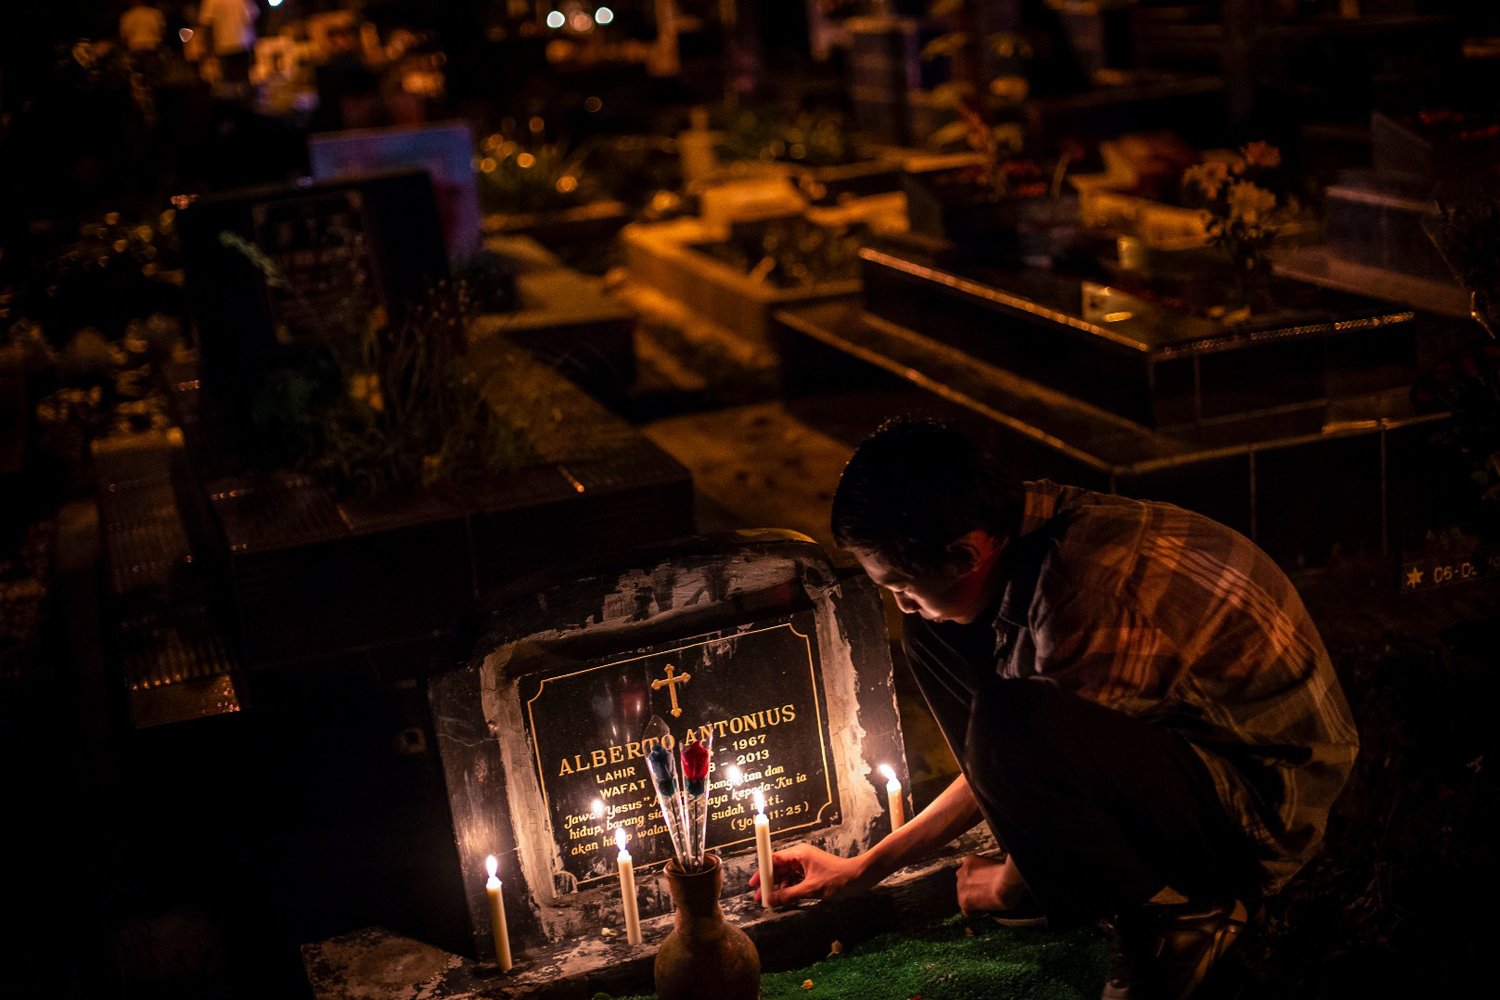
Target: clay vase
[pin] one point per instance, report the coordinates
(705, 957)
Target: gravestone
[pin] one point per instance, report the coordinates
(758, 640)
(301, 575)
(755, 637)
(270, 269)
(445, 151)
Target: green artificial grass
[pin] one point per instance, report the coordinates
(943, 963)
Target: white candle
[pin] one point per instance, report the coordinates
(497, 916)
(627, 889)
(763, 851)
(893, 797)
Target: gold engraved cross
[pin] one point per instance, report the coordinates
(671, 685)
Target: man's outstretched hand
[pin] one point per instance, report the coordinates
(805, 872)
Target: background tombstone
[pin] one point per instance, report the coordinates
(338, 247)
(445, 151)
(786, 658)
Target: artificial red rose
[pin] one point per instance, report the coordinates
(695, 762)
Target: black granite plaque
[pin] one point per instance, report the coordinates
(321, 251)
(759, 690)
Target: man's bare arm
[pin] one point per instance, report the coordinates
(953, 813)
(816, 874)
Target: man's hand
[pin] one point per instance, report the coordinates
(986, 884)
(805, 872)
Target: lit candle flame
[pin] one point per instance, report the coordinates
(760, 801)
(597, 808)
(888, 771)
(620, 838)
(491, 865)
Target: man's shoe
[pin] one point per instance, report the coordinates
(1024, 914)
(1165, 952)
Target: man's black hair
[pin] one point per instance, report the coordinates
(914, 487)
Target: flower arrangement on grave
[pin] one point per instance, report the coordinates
(1243, 202)
(1003, 172)
(1005, 197)
(386, 404)
(989, 85)
(681, 795)
(704, 955)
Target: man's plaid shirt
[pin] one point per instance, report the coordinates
(1173, 618)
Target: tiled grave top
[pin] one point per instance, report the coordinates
(1130, 322)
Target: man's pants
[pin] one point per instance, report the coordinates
(1098, 810)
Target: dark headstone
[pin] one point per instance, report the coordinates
(340, 249)
(445, 151)
(300, 574)
(754, 636)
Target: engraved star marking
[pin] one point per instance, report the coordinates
(671, 685)
(1414, 577)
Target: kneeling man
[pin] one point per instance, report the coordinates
(1142, 710)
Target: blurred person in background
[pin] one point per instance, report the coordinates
(142, 28)
(231, 24)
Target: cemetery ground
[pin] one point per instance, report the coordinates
(140, 900)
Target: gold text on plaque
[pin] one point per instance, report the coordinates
(623, 753)
(671, 685)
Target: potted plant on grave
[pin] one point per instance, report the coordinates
(791, 253)
(542, 190)
(384, 404)
(1002, 198)
(826, 161)
(432, 456)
